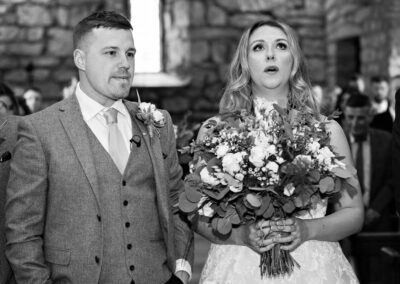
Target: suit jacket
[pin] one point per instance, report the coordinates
(383, 121)
(53, 164)
(9, 133)
(381, 192)
(396, 152)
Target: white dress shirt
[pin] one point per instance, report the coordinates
(366, 166)
(93, 115)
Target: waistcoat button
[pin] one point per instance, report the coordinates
(99, 218)
(132, 267)
(123, 182)
(129, 246)
(97, 259)
(125, 202)
(127, 224)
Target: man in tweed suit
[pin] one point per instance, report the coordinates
(73, 215)
(8, 137)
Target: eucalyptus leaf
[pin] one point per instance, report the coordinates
(217, 195)
(192, 194)
(254, 200)
(269, 212)
(326, 185)
(185, 205)
(224, 226)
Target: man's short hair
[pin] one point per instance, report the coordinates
(359, 101)
(378, 79)
(101, 19)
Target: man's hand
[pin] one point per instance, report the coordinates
(183, 276)
(370, 216)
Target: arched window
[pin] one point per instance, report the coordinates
(146, 22)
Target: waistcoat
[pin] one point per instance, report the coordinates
(133, 246)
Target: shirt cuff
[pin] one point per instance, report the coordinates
(183, 265)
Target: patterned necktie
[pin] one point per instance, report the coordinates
(116, 145)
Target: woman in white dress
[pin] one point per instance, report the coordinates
(268, 67)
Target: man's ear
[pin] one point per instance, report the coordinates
(79, 59)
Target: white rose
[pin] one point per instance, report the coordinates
(147, 107)
(257, 156)
(313, 147)
(272, 166)
(289, 189)
(222, 150)
(158, 116)
(239, 177)
(340, 164)
(325, 156)
(207, 210)
(303, 160)
(231, 163)
(208, 178)
(235, 188)
(280, 160)
(271, 150)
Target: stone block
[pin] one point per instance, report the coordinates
(16, 76)
(8, 33)
(316, 67)
(44, 61)
(3, 9)
(33, 15)
(60, 42)
(215, 33)
(64, 74)
(197, 13)
(50, 90)
(62, 17)
(8, 19)
(30, 49)
(77, 13)
(219, 52)
(243, 20)
(181, 13)
(216, 16)
(8, 62)
(35, 34)
(199, 51)
(250, 5)
(41, 74)
(314, 47)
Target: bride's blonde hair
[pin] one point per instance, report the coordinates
(237, 94)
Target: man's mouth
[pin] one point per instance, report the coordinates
(271, 69)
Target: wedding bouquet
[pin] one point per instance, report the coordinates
(273, 166)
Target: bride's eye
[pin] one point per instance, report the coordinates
(282, 45)
(258, 47)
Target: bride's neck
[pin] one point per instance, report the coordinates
(278, 96)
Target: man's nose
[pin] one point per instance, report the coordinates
(124, 61)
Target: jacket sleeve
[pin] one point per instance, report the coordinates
(182, 231)
(25, 208)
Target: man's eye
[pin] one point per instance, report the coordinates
(111, 52)
(258, 47)
(131, 54)
(281, 45)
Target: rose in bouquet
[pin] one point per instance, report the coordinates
(249, 168)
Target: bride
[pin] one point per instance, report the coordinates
(268, 67)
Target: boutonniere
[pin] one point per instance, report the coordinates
(7, 155)
(150, 116)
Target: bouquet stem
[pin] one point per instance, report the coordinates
(277, 262)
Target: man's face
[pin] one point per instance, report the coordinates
(380, 91)
(108, 64)
(358, 120)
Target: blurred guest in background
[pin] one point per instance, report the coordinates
(33, 99)
(8, 101)
(380, 95)
(371, 149)
(396, 152)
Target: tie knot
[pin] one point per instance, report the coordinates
(111, 116)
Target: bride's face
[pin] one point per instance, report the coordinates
(270, 59)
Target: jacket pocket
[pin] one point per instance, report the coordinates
(57, 255)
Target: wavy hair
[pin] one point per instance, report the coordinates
(237, 94)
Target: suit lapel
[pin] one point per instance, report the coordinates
(154, 147)
(76, 129)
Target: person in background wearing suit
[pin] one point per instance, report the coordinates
(8, 137)
(380, 103)
(371, 149)
(84, 205)
(396, 152)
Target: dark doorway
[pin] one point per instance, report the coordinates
(347, 59)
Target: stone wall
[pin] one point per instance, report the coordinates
(36, 41)
(200, 37)
(376, 24)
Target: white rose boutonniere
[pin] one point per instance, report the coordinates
(150, 116)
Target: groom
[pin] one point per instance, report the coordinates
(82, 206)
